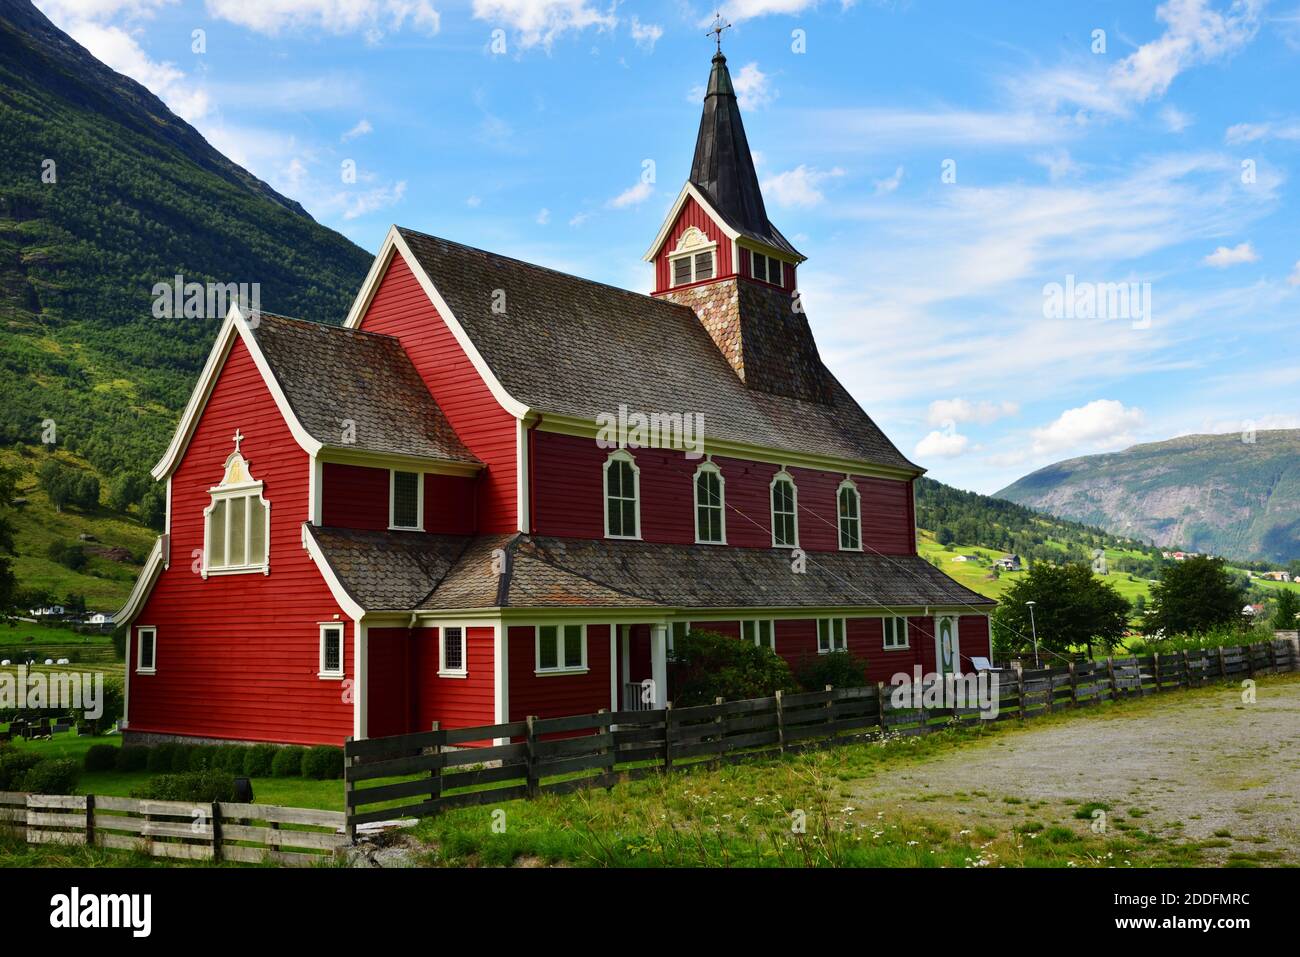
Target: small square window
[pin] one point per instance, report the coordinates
(760, 632)
(830, 635)
(146, 650)
(561, 648)
(895, 632)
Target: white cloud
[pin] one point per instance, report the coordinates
(1223, 257)
(473, 202)
(1195, 32)
(1058, 164)
(1175, 120)
(99, 10)
(632, 196)
(946, 444)
(739, 10)
(875, 129)
(542, 21)
(800, 186)
(1254, 132)
(889, 183)
(646, 35)
(368, 17)
(579, 219)
(361, 129)
(960, 410)
(543, 217)
(754, 88)
(1294, 278)
(1099, 425)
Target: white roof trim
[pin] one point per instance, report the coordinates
(394, 243)
(692, 192)
(345, 600)
(153, 566)
(235, 324)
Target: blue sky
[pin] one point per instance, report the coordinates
(1166, 158)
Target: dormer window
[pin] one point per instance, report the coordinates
(694, 259)
(237, 525)
(766, 269)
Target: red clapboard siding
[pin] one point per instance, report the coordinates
(353, 496)
(238, 655)
(692, 214)
(401, 309)
(553, 696)
(568, 498)
(454, 702)
(973, 638)
(356, 496)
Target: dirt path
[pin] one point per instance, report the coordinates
(1189, 766)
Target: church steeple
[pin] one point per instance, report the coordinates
(723, 168)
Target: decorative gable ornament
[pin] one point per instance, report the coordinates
(692, 239)
(237, 524)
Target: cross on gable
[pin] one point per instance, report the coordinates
(237, 438)
(718, 26)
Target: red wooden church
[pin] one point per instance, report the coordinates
(414, 517)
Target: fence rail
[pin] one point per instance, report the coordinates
(222, 831)
(425, 773)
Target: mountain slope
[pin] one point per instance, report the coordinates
(1207, 493)
(139, 197)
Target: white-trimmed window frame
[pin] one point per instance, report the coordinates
(251, 492)
(560, 667)
(848, 485)
(710, 468)
(768, 260)
(885, 630)
(140, 630)
(392, 501)
(622, 455)
(783, 476)
(443, 670)
(709, 249)
(322, 671)
(757, 626)
(831, 624)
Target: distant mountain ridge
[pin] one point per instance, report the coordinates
(1234, 495)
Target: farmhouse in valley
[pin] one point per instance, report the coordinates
(423, 515)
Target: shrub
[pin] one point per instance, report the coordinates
(202, 786)
(323, 763)
(230, 757)
(161, 757)
(710, 665)
(14, 765)
(181, 758)
(257, 760)
(840, 669)
(101, 757)
(287, 762)
(52, 776)
(204, 757)
(132, 757)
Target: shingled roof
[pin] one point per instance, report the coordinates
(723, 169)
(331, 375)
(403, 571)
(570, 346)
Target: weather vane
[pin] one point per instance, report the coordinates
(718, 26)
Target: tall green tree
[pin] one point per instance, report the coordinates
(1194, 596)
(1284, 615)
(1072, 609)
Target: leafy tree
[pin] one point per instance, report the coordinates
(153, 508)
(1194, 596)
(8, 582)
(1072, 609)
(56, 482)
(1284, 615)
(68, 555)
(126, 491)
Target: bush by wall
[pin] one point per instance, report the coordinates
(200, 786)
(840, 669)
(51, 776)
(102, 757)
(708, 665)
(322, 763)
(287, 762)
(14, 765)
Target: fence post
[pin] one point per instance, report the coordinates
(216, 832)
(668, 737)
(435, 774)
(1295, 653)
(1110, 673)
(1074, 687)
(1187, 670)
(1272, 656)
(90, 820)
(830, 712)
(780, 723)
(1018, 667)
(530, 741)
(1155, 659)
(880, 705)
(349, 785)
(1223, 667)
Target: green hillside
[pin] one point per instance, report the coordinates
(1207, 493)
(104, 193)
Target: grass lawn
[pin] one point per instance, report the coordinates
(286, 792)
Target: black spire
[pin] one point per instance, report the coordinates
(723, 168)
